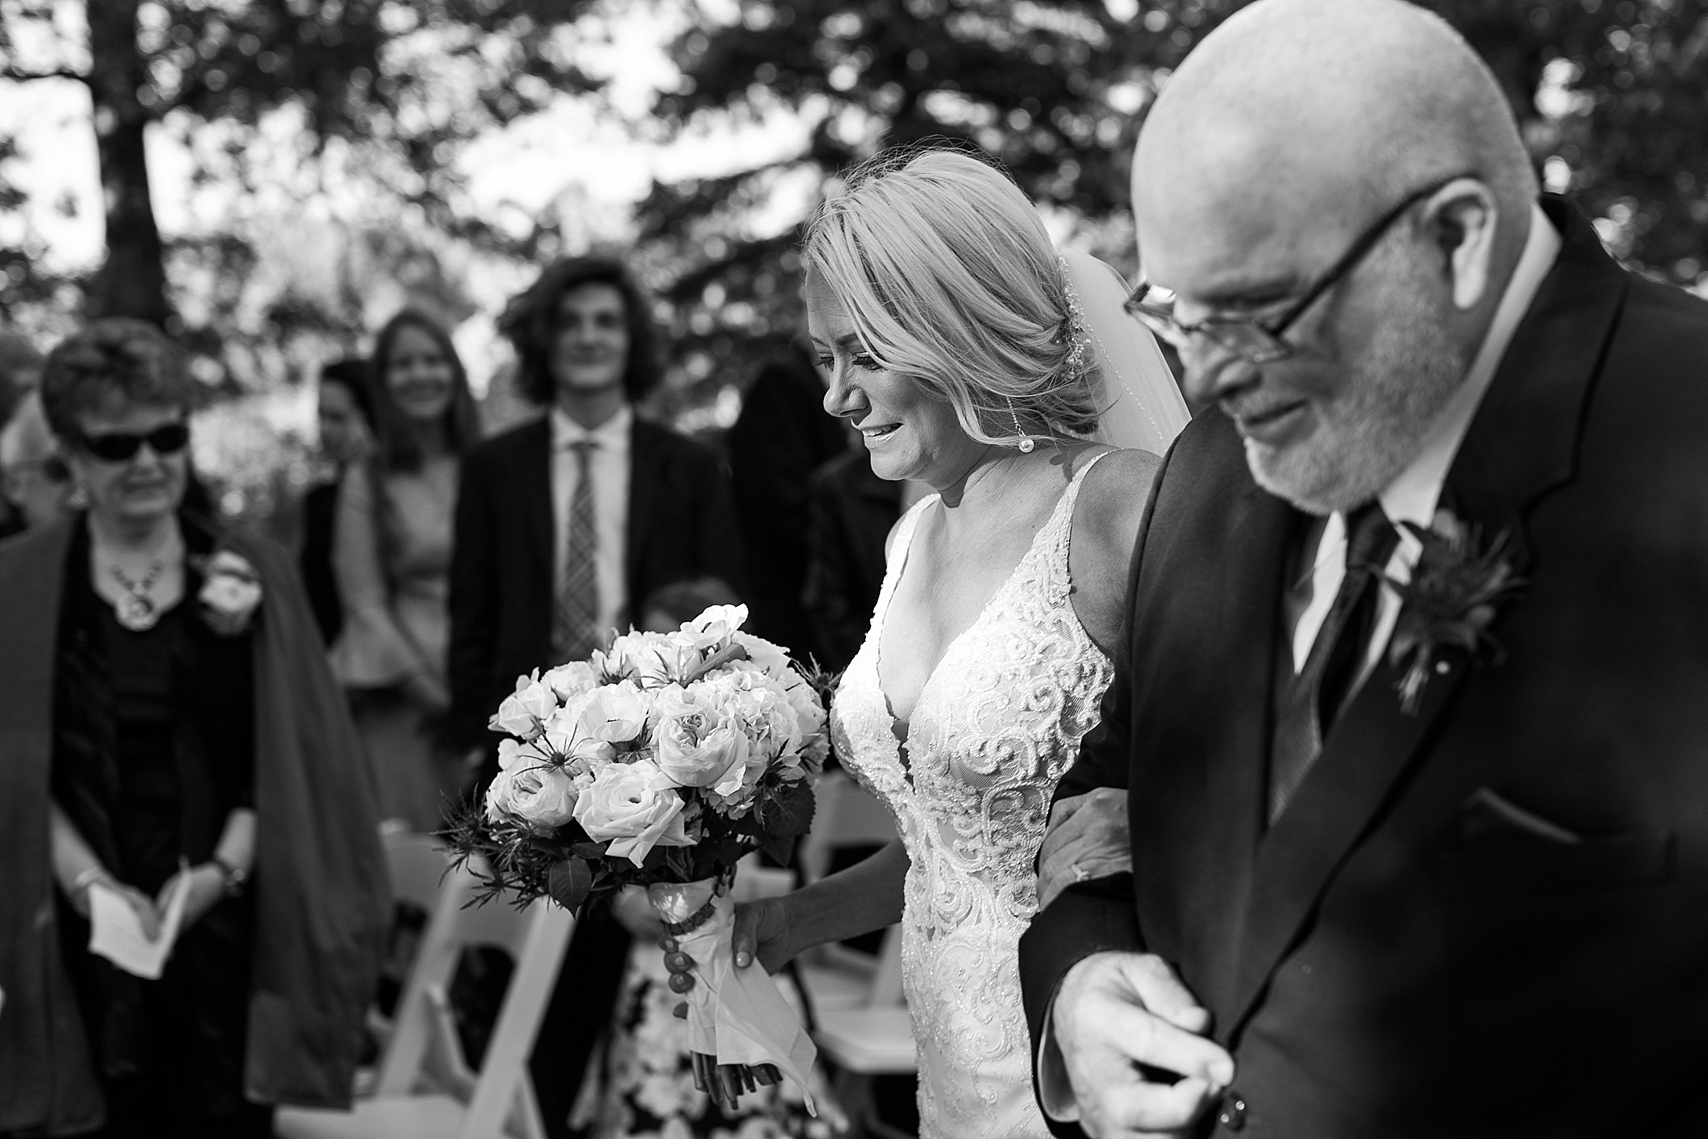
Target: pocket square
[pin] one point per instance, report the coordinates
(1488, 814)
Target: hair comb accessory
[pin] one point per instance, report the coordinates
(1078, 331)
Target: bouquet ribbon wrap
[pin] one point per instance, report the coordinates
(738, 1016)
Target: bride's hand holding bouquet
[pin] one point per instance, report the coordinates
(660, 762)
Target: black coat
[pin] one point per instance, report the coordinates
(681, 525)
(851, 513)
(1390, 958)
(782, 436)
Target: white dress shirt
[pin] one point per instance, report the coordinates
(1411, 497)
(609, 465)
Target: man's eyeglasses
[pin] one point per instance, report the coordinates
(122, 446)
(1260, 342)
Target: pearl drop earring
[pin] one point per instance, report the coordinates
(1026, 443)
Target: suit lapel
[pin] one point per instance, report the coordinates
(1522, 443)
(646, 461)
(534, 486)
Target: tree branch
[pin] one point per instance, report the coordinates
(19, 75)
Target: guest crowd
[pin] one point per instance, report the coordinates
(189, 709)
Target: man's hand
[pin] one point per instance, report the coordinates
(1088, 838)
(1116, 1011)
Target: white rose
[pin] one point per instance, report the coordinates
(525, 711)
(636, 807)
(695, 746)
(539, 794)
(511, 752)
(230, 593)
(651, 660)
(571, 680)
(714, 626)
(772, 658)
(567, 736)
(615, 713)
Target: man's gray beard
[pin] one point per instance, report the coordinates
(1366, 438)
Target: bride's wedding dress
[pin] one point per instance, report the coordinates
(996, 725)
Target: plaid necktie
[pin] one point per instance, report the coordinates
(1308, 703)
(575, 624)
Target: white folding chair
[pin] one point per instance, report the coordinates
(416, 865)
(862, 1027)
(835, 976)
(423, 1052)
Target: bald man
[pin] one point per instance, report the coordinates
(1413, 716)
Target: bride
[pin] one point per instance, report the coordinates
(972, 357)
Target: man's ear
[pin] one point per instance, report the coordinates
(1462, 218)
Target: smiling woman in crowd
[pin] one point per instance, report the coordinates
(392, 560)
(168, 727)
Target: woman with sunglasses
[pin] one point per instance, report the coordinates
(391, 557)
(176, 758)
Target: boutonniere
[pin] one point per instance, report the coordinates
(231, 592)
(1455, 589)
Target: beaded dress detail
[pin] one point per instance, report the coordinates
(995, 727)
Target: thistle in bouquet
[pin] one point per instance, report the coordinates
(660, 762)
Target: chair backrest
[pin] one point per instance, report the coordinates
(456, 924)
(846, 815)
(416, 864)
(502, 1072)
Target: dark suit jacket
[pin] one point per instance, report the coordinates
(681, 525)
(1392, 959)
(782, 436)
(851, 513)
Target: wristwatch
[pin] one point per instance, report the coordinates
(235, 878)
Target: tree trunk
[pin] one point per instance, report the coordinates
(132, 282)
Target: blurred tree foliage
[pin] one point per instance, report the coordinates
(396, 87)
(1611, 95)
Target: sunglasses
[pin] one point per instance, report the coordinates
(121, 446)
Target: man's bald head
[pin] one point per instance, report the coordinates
(1337, 104)
(1344, 179)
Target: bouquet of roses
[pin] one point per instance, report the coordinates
(660, 762)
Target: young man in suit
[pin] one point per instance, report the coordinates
(1373, 890)
(564, 527)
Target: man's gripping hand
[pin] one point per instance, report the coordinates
(1116, 1011)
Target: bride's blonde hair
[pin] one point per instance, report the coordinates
(950, 278)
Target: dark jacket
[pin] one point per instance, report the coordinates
(319, 519)
(319, 881)
(680, 526)
(781, 438)
(1392, 957)
(851, 513)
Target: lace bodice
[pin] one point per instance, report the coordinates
(997, 724)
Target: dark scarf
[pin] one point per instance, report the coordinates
(320, 885)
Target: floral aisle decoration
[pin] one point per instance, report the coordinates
(660, 762)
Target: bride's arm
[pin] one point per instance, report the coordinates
(860, 899)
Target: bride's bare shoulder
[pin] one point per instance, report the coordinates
(1106, 522)
(1112, 500)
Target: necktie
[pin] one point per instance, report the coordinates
(1308, 703)
(575, 625)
